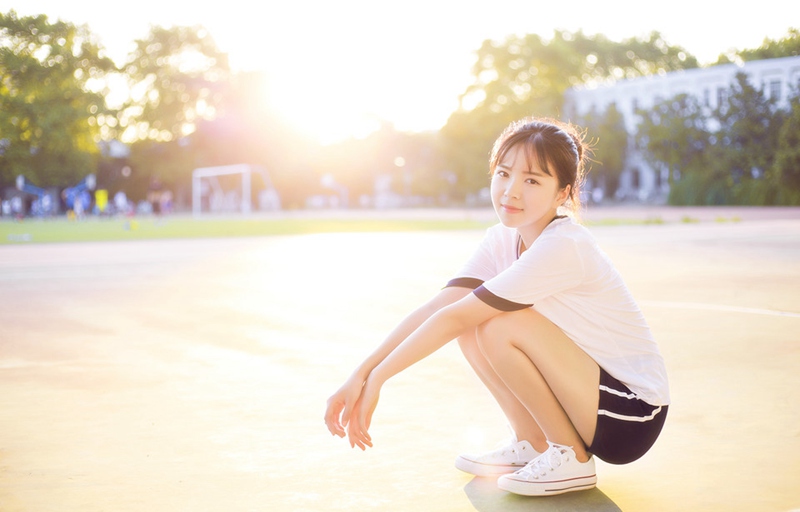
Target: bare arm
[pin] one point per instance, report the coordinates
(439, 329)
(411, 323)
(340, 405)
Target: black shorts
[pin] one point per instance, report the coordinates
(626, 426)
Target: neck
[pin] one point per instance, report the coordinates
(528, 234)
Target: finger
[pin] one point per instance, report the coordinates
(336, 430)
(355, 436)
(351, 433)
(362, 431)
(332, 419)
(346, 414)
(354, 440)
(359, 441)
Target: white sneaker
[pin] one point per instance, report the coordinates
(556, 471)
(506, 459)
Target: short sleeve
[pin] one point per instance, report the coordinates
(481, 267)
(550, 266)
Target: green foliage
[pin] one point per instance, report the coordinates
(788, 46)
(610, 146)
(48, 114)
(674, 135)
(528, 75)
(787, 157)
(177, 76)
(467, 143)
(748, 158)
(178, 79)
(186, 110)
(748, 124)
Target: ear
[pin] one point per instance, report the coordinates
(563, 195)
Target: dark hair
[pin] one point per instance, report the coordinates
(557, 148)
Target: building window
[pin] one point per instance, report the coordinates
(775, 90)
(722, 96)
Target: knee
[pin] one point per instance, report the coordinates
(493, 337)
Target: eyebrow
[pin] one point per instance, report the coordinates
(529, 171)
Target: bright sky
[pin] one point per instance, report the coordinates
(336, 66)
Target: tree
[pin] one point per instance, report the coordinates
(50, 116)
(610, 149)
(788, 46)
(177, 76)
(740, 153)
(528, 75)
(674, 135)
(749, 123)
(787, 157)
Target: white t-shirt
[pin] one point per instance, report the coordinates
(567, 278)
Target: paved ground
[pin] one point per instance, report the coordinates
(192, 375)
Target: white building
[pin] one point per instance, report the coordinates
(777, 78)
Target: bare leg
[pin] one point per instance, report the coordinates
(552, 378)
(521, 421)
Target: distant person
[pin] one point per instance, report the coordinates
(154, 195)
(83, 202)
(121, 202)
(546, 322)
(165, 202)
(17, 207)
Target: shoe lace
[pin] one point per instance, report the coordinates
(511, 446)
(550, 460)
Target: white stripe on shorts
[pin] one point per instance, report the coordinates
(640, 419)
(629, 396)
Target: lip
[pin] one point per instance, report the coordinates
(510, 209)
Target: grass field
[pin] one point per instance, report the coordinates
(148, 228)
(60, 229)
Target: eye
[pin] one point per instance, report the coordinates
(531, 181)
(501, 173)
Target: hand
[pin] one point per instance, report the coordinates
(358, 429)
(340, 405)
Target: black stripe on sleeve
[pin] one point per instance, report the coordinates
(464, 282)
(498, 302)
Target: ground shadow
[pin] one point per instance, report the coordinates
(485, 496)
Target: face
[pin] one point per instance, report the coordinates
(523, 195)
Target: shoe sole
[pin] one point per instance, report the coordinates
(480, 469)
(526, 488)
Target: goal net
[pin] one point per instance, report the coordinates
(232, 188)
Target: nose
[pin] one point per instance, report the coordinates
(513, 187)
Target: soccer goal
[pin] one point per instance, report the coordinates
(231, 188)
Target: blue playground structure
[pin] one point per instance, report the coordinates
(78, 198)
(46, 201)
